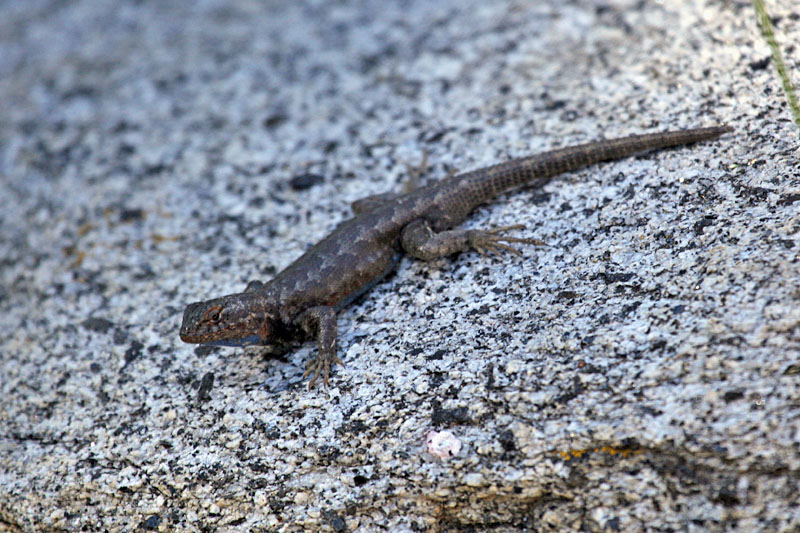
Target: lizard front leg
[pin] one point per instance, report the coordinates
(420, 241)
(320, 321)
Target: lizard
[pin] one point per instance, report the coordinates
(301, 302)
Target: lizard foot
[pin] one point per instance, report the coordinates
(491, 241)
(321, 366)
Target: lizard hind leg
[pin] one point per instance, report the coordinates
(420, 241)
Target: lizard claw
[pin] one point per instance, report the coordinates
(321, 366)
(492, 241)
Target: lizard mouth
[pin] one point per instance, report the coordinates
(213, 339)
(192, 339)
(252, 340)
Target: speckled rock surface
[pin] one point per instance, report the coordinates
(641, 371)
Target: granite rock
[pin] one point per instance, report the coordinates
(640, 372)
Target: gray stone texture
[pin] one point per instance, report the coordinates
(641, 372)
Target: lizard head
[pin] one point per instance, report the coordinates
(234, 320)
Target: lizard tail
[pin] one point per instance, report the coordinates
(498, 178)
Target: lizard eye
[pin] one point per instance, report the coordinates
(214, 314)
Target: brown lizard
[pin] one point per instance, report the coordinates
(301, 302)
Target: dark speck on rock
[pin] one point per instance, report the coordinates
(629, 308)
(145, 273)
(256, 202)
(490, 376)
(732, 396)
(436, 356)
(727, 496)
(100, 325)
(328, 452)
(555, 105)
(433, 137)
(789, 199)
(506, 439)
(571, 393)
(206, 384)
(277, 504)
(761, 64)
(482, 310)
(756, 194)
(355, 427)
(539, 198)
(302, 182)
(618, 277)
(336, 522)
(275, 120)
(660, 344)
(203, 350)
(277, 199)
(569, 116)
(132, 353)
(151, 523)
(131, 215)
(650, 411)
(415, 351)
(258, 466)
(120, 337)
(449, 417)
(435, 379)
(704, 222)
(330, 147)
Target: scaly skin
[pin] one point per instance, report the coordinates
(302, 301)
